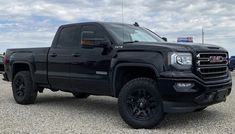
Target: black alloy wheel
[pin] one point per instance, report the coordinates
(19, 86)
(140, 104)
(24, 90)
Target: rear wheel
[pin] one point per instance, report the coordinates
(140, 104)
(24, 90)
(81, 95)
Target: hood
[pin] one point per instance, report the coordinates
(196, 47)
(192, 47)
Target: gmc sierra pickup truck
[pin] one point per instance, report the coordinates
(149, 76)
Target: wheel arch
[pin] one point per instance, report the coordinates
(117, 85)
(21, 66)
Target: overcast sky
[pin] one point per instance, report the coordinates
(33, 23)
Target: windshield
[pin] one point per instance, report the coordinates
(130, 33)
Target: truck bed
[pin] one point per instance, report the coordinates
(27, 50)
(36, 57)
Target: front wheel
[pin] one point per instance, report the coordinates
(140, 104)
(24, 90)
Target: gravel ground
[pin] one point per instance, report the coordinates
(58, 112)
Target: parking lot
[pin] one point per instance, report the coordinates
(59, 112)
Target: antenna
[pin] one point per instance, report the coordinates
(122, 13)
(122, 24)
(202, 35)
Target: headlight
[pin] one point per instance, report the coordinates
(180, 60)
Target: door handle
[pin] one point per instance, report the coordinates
(53, 55)
(75, 55)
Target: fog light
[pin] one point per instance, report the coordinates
(184, 87)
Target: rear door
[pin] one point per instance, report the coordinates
(59, 58)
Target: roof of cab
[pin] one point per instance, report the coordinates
(95, 22)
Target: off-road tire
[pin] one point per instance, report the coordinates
(24, 89)
(126, 102)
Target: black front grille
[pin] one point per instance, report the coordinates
(212, 66)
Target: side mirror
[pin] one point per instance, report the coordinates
(104, 43)
(91, 43)
(165, 39)
(90, 40)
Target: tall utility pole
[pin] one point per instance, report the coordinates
(202, 35)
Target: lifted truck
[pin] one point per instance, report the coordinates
(149, 76)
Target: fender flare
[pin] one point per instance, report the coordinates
(22, 62)
(116, 67)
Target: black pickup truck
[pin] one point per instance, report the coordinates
(149, 76)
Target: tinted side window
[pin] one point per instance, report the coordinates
(67, 38)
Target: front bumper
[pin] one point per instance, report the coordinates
(201, 94)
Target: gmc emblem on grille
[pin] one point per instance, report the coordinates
(216, 59)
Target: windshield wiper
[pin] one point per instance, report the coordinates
(130, 41)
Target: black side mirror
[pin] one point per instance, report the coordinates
(90, 40)
(102, 43)
(165, 39)
(91, 43)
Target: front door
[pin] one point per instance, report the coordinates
(90, 64)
